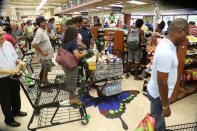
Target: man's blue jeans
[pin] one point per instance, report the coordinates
(156, 112)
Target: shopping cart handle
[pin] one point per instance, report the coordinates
(29, 53)
(14, 75)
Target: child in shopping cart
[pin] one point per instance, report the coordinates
(70, 44)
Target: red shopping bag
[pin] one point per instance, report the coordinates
(147, 124)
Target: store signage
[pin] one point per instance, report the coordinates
(69, 15)
(22, 17)
(84, 13)
(117, 9)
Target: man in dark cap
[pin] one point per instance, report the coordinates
(43, 47)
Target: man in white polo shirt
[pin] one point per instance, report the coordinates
(9, 89)
(164, 72)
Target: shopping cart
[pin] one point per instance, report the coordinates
(99, 76)
(51, 101)
(104, 71)
(181, 127)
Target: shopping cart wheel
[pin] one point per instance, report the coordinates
(85, 121)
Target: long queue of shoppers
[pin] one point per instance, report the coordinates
(164, 72)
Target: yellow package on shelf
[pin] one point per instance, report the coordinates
(192, 38)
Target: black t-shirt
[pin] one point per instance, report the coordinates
(70, 46)
(86, 36)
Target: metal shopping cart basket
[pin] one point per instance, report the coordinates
(51, 101)
(100, 75)
(181, 127)
(104, 70)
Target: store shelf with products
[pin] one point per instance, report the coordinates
(186, 82)
(114, 35)
(154, 40)
(187, 71)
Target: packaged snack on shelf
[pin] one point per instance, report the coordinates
(192, 38)
(188, 61)
(194, 75)
(187, 75)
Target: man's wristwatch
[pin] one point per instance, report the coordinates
(165, 107)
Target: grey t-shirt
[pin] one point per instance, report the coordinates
(29, 30)
(18, 32)
(8, 57)
(42, 40)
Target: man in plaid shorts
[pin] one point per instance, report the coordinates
(43, 47)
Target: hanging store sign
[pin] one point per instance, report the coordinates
(112, 18)
(117, 9)
(22, 17)
(84, 13)
(69, 15)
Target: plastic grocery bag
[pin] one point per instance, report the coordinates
(147, 124)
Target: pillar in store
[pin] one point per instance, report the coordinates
(95, 20)
(123, 12)
(51, 12)
(10, 11)
(127, 19)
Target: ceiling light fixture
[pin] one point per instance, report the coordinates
(136, 2)
(41, 5)
(115, 5)
(103, 8)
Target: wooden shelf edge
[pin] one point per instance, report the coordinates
(185, 92)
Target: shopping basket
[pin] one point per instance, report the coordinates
(51, 101)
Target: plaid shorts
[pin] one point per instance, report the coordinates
(47, 65)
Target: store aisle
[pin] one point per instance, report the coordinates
(183, 111)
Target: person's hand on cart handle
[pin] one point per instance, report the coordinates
(23, 64)
(16, 70)
(166, 112)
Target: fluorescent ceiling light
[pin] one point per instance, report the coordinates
(28, 7)
(32, 3)
(75, 12)
(41, 4)
(84, 11)
(136, 2)
(93, 10)
(115, 5)
(103, 8)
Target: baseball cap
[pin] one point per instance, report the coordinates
(40, 19)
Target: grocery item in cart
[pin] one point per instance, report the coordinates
(112, 88)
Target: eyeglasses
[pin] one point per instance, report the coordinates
(2, 34)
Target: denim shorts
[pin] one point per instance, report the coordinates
(134, 55)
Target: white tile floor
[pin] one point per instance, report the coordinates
(183, 111)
